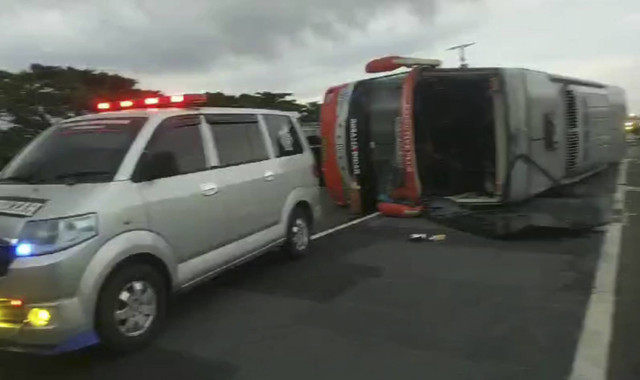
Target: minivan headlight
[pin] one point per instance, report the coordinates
(40, 237)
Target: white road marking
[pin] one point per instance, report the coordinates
(343, 226)
(592, 354)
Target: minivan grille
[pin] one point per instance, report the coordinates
(572, 133)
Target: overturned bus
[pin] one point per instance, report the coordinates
(474, 135)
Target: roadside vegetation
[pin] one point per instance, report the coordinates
(34, 99)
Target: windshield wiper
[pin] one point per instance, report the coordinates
(20, 179)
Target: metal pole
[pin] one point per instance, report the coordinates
(463, 59)
(461, 50)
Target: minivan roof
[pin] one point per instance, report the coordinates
(166, 112)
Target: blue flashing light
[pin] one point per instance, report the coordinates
(24, 249)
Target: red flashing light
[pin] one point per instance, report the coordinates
(16, 303)
(186, 100)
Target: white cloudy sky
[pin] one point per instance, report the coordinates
(303, 46)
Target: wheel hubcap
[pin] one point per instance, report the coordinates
(300, 234)
(136, 308)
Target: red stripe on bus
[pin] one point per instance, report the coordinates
(328, 125)
(411, 189)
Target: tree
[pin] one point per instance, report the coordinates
(31, 100)
(265, 100)
(311, 113)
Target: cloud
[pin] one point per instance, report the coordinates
(594, 40)
(310, 62)
(173, 37)
(305, 46)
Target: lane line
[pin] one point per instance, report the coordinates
(343, 226)
(592, 354)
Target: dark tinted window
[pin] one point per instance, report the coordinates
(238, 138)
(82, 151)
(284, 136)
(176, 147)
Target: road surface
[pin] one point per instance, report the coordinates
(368, 304)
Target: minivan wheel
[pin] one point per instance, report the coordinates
(298, 233)
(131, 307)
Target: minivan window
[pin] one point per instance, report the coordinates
(284, 137)
(88, 151)
(176, 147)
(238, 138)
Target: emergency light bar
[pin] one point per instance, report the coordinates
(186, 100)
(381, 65)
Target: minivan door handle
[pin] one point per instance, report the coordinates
(208, 189)
(269, 176)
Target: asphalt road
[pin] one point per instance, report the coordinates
(368, 304)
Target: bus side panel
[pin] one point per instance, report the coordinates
(517, 183)
(545, 126)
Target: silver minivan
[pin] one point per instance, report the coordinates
(102, 217)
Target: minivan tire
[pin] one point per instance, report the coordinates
(137, 283)
(298, 234)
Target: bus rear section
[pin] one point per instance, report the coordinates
(361, 140)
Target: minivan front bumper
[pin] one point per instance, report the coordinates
(48, 282)
(66, 331)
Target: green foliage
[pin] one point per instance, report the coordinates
(309, 112)
(33, 99)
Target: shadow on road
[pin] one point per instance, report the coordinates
(96, 363)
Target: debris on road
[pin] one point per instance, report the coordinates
(440, 237)
(425, 237)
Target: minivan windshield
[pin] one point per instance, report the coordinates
(87, 151)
